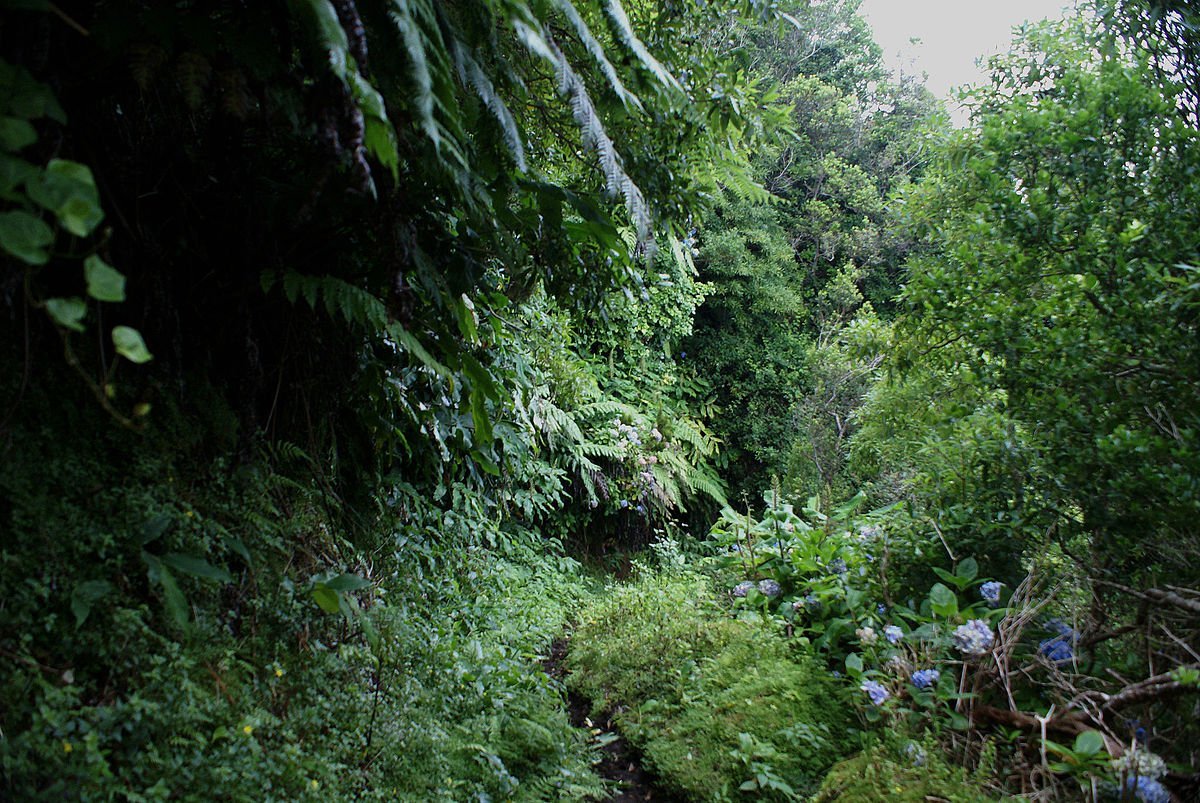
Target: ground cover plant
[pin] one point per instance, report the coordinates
(719, 707)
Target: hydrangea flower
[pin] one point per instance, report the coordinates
(881, 609)
(1147, 789)
(743, 588)
(867, 635)
(812, 602)
(924, 678)
(1061, 628)
(893, 634)
(915, 753)
(1056, 649)
(768, 588)
(1140, 761)
(973, 638)
(990, 592)
(838, 566)
(875, 691)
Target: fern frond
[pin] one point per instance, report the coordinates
(685, 432)
(624, 31)
(601, 450)
(596, 51)
(702, 479)
(595, 138)
(473, 76)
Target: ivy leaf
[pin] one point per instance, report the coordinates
(25, 237)
(104, 282)
(129, 344)
(67, 312)
(68, 189)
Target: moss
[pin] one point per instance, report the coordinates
(880, 773)
(712, 702)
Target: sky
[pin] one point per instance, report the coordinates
(952, 34)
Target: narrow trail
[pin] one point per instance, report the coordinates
(620, 762)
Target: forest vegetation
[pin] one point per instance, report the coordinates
(382, 379)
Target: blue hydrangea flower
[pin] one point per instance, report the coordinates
(924, 678)
(743, 588)
(893, 634)
(881, 609)
(875, 691)
(812, 602)
(1147, 789)
(1056, 649)
(973, 638)
(990, 592)
(838, 566)
(768, 588)
(915, 754)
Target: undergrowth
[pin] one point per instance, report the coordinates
(163, 632)
(720, 708)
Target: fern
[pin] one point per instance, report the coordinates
(596, 51)
(624, 31)
(472, 75)
(355, 305)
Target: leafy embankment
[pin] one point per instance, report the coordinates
(169, 647)
(714, 703)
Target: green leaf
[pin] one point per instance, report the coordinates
(67, 312)
(25, 237)
(968, 569)
(153, 529)
(13, 173)
(854, 664)
(239, 547)
(347, 582)
(326, 598)
(85, 595)
(129, 344)
(16, 134)
(197, 567)
(943, 601)
(479, 415)
(1089, 743)
(481, 377)
(173, 598)
(104, 282)
(68, 189)
(413, 346)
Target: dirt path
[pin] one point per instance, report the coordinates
(619, 760)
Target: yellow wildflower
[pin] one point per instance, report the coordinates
(67, 748)
(247, 729)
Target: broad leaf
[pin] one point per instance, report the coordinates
(129, 344)
(104, 282)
